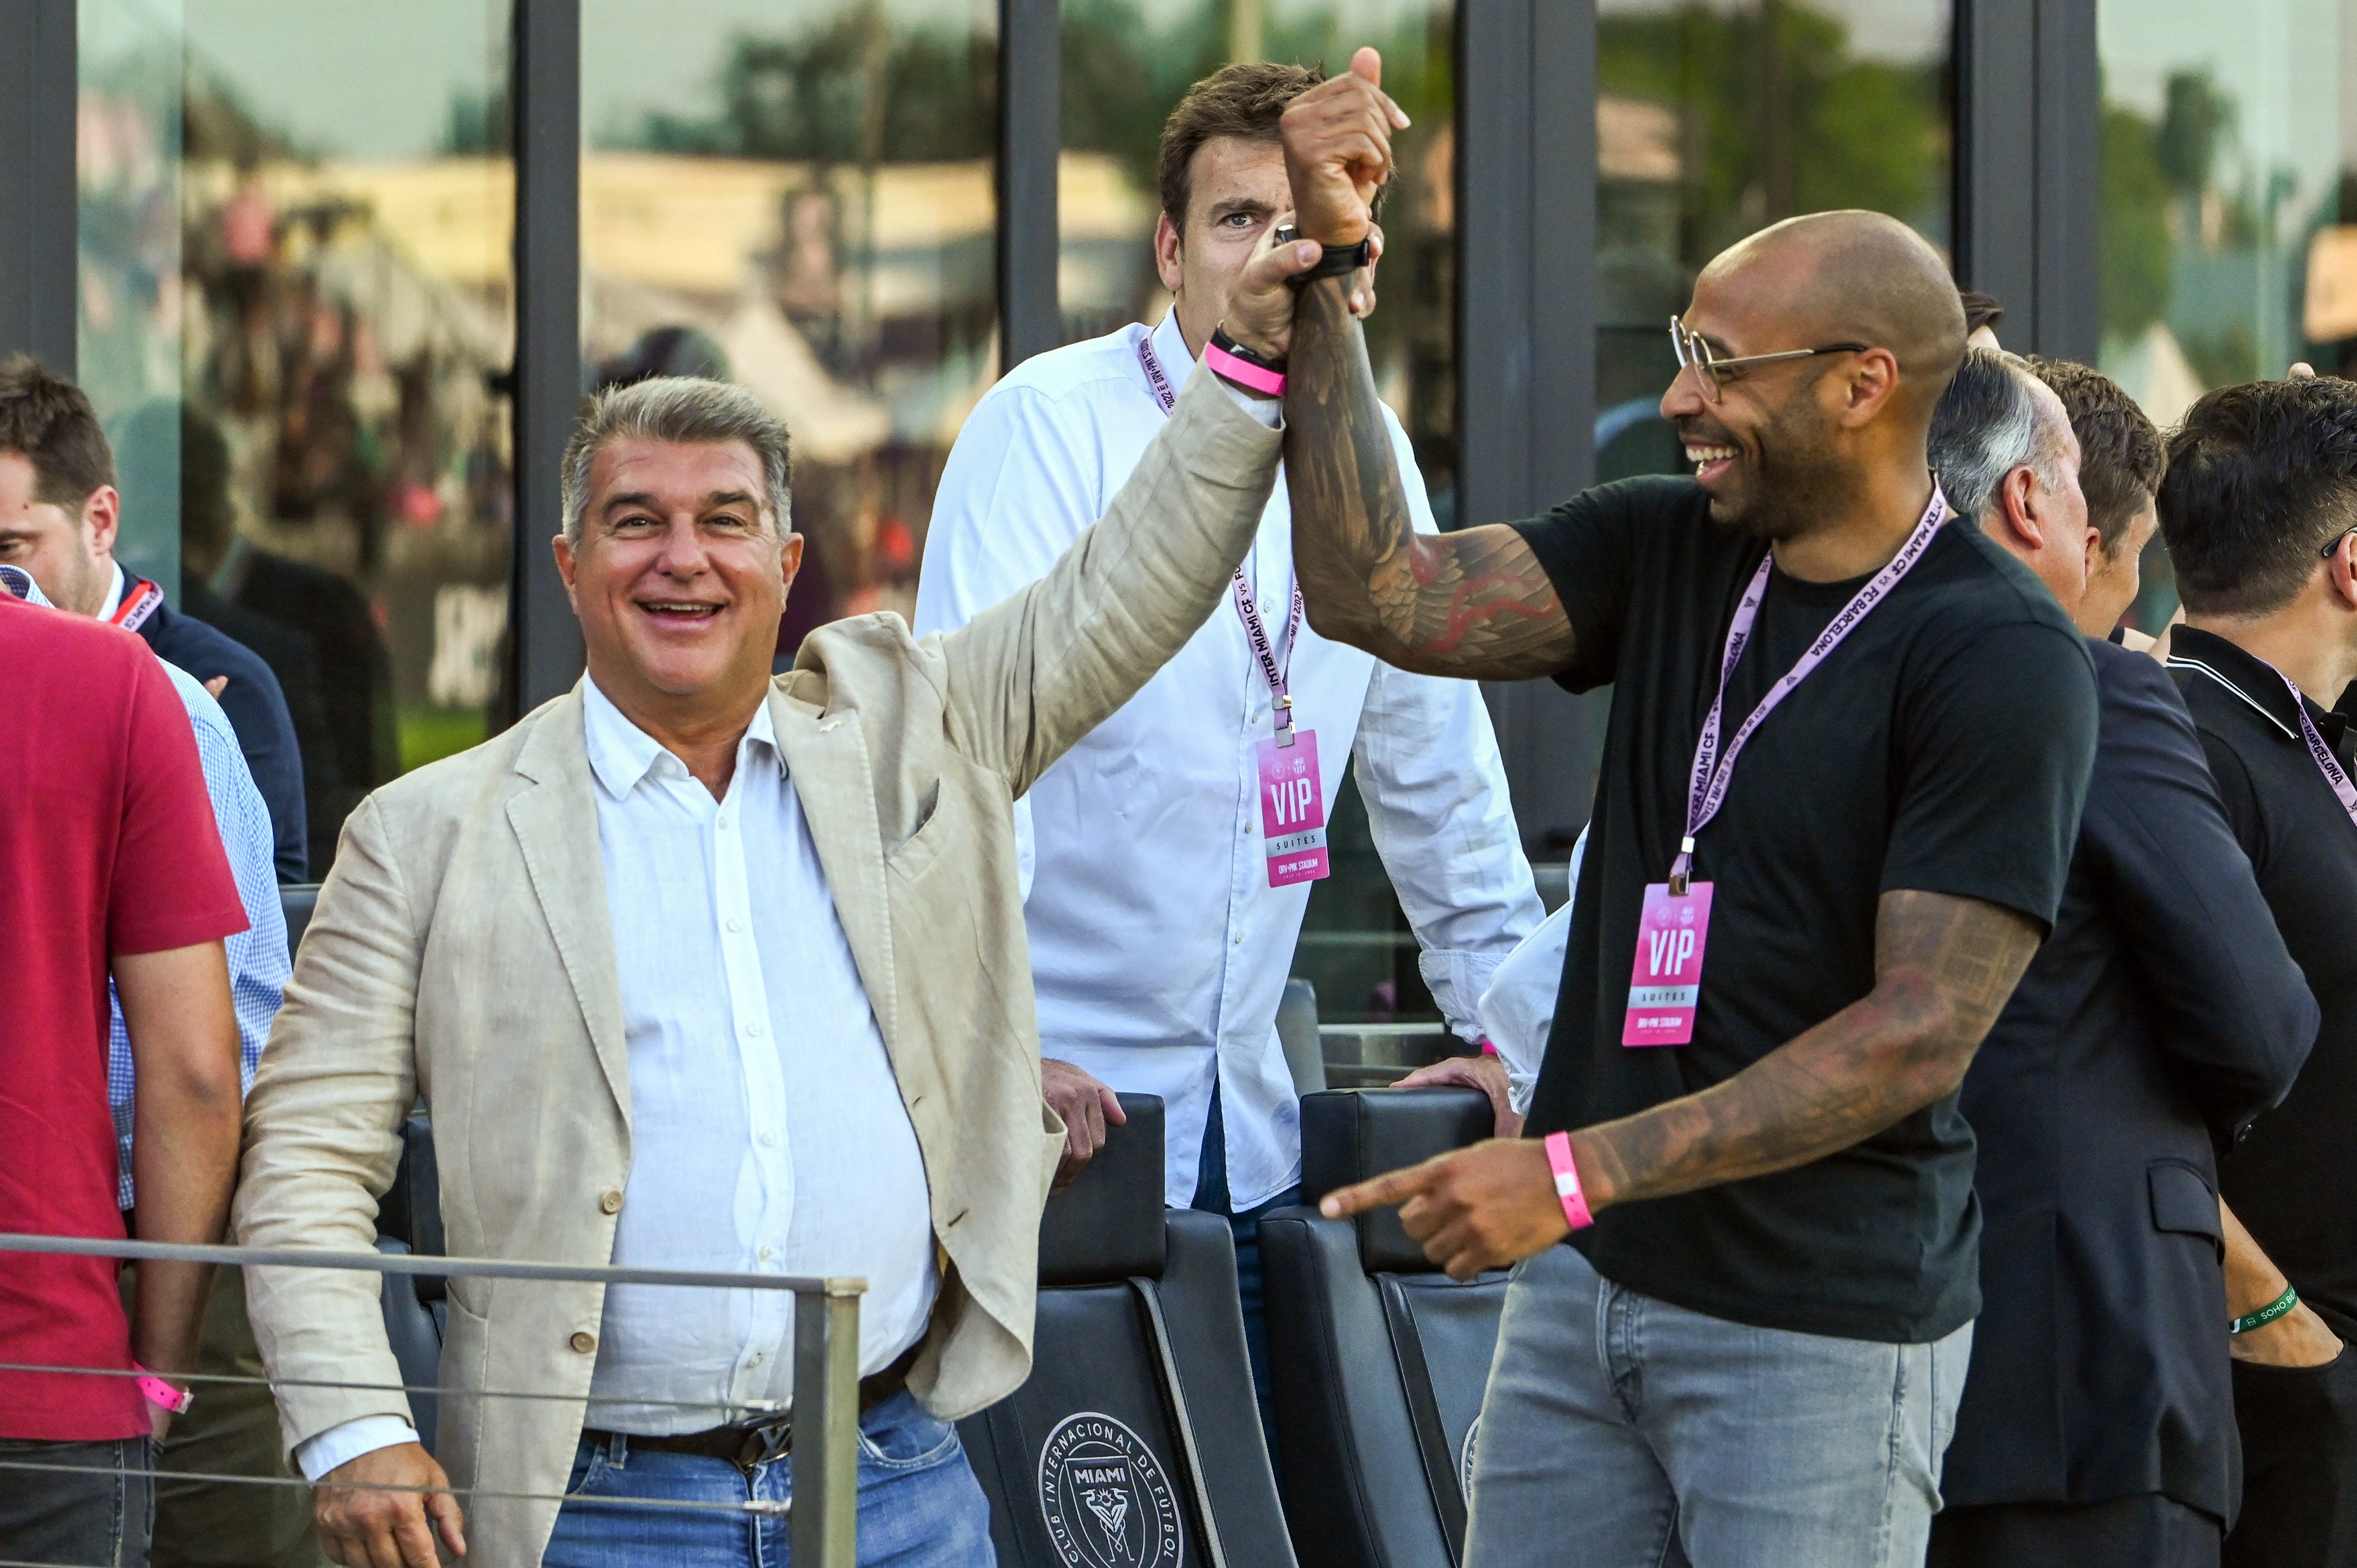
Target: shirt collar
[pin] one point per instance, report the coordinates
(1170, 345)
(113, 595)
(621, 753)
(20, 585)
(2252, 679)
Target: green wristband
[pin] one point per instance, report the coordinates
(2265, 1315)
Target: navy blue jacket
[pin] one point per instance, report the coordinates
(257, 711)
(2161, 1016)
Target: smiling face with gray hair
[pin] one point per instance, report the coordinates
(674, 554)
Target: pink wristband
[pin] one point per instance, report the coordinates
(1243, 372)
(162, 1395)
(1567, 1181)
(1488, 1046)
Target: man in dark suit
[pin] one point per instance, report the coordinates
(59, 518)
(2162, 1014)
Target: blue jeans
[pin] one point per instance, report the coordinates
(1211, 1196)
(1656, 1438)
(919, 1506)
(93, 1509)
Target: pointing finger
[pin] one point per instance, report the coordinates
(1394, 1186)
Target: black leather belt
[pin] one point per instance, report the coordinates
(753, 1443)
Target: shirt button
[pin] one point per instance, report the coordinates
(585, 1341)
(723, 825)
(1240, 940)
(735, 924)
(610, 1201)
(768, 1254)
(755, 1359)
(753, 1027)
(769, 1140)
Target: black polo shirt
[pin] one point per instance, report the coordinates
(2292, 1180)
(1944, 747)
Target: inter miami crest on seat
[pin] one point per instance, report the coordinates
(1105, 1499)
(1136, 1443)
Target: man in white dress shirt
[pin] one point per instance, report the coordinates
(698, 968)
(1162, 929)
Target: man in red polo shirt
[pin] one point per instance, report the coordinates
(109, 861)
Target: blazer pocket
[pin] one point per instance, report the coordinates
(466, 1360)
(2183, 1201)
(916, 854)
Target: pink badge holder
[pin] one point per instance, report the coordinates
(1292, 807)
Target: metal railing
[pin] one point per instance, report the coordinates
(824, 1509)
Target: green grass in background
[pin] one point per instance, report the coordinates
(428, 734)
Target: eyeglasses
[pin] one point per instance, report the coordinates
(1694, 355)
(2335, 544)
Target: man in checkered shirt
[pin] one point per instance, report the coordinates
(258, 1523)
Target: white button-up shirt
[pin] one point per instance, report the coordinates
(1159, 951)
(766, 1130)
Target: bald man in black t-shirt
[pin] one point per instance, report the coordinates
(1847, 753)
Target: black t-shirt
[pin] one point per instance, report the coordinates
(1945, 746)
(2291, 1181)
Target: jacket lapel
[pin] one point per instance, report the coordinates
(568, 877)
(826, 764)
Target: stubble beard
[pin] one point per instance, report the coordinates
(1794, 481)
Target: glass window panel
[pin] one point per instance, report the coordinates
(1126, 65)
(2228, 234)
(296, 316)
(127, 340)
(1716, 119)
(799, 197)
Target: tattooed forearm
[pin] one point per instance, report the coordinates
(1944, 970)
(1475, 603)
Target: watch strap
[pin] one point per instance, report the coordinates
(1336, 261)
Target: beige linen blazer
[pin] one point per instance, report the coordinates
(462, 951)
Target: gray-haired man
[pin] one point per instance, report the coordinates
(2160, 1015)
(697, 969)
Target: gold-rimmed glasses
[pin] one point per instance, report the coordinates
(1694, 354)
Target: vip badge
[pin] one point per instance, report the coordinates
(1104, 1496)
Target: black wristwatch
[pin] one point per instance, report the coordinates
(1273, 364)
(1336, 261)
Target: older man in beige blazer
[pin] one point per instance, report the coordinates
(471, 948)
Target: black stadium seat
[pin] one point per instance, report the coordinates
(409, 1220)
(1136, 1443)
(1377, 1360)
(295, 901)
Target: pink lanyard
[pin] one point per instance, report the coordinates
(1256, 629)
(1707, 788)
(2330, 765)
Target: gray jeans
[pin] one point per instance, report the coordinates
(1621, 1431)
(88, 1505)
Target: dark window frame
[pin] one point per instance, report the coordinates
(545, 86)
(40, 82)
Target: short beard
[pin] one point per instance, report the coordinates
(1798, 480)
